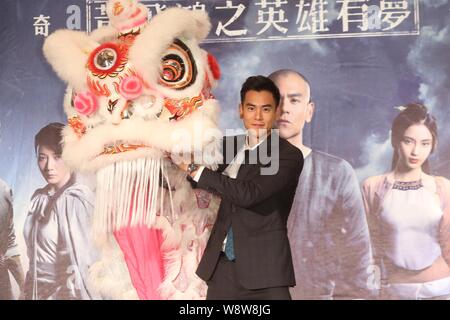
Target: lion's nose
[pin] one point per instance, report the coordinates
(116, 109)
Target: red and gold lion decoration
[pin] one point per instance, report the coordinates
(138, 89)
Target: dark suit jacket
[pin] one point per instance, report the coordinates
(257, 206)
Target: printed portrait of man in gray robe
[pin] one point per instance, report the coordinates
(327, 226)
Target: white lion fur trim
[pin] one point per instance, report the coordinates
(68, 51)
(109, 277)
(82, 153)
(104, 34)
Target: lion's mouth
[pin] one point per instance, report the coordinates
(121, 147)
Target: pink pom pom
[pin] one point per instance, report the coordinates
(131, 87)
(85, 103)
(126, 14)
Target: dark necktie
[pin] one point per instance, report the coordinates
(229, 246)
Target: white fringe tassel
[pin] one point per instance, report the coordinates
(129, 186)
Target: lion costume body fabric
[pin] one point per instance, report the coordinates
(138, 89)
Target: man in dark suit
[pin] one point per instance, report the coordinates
(248, 254)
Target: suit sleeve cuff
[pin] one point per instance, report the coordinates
(199, 173)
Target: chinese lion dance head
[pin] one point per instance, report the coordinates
(138, 89)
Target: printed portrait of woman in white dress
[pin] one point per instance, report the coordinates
(408, 212)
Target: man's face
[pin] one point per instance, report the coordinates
(258, 112)
(295, 107)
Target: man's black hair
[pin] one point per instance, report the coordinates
(260, 83)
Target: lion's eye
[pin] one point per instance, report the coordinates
(105, 59)
(178, 69)
(173, 68)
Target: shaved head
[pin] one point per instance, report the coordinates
(296, 107)
(274, 76)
